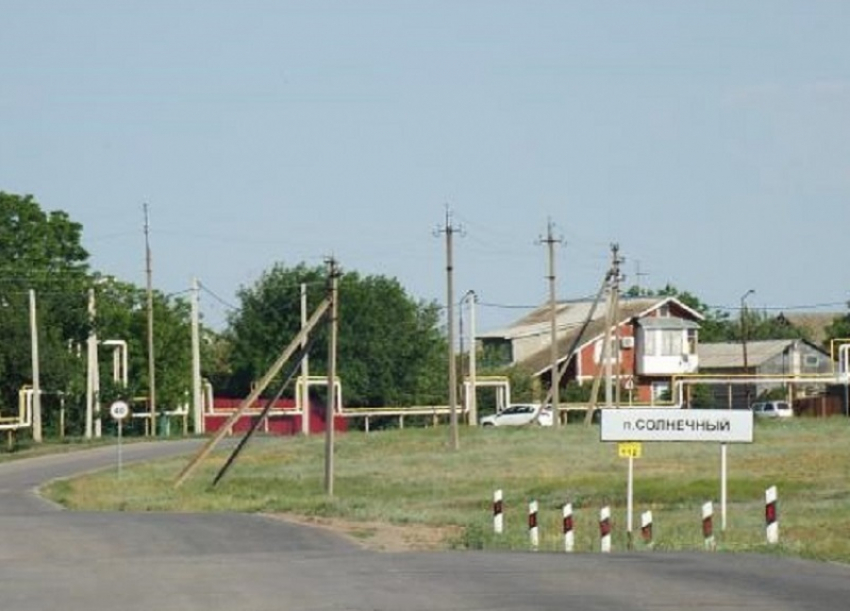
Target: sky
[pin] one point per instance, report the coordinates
(709, 139)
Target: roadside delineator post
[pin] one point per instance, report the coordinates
(646, 528)
(708, 525)
(533, 534)
(498, 520)
(605, 529)
(770, 515)
(569, 536)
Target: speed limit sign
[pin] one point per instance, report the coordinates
(119, 410)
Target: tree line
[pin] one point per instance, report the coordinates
(391, 349)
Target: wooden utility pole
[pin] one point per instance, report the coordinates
(249, 401)
(330, 409)
(555, 379)
(151, 358)
(448, 229)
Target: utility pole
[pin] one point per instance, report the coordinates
(151, 358)
(744, 340)
(330, 409)
(638, 276)
(36, 380)
(305, 369)
(615, 300)
(473, 367)
(197, 401)
(555, 378)
(93, 425)
(449, 230)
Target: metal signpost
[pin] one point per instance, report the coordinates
(119, 410)
(633, 425)
(630, 450)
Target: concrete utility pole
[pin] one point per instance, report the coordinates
(92, 375)
(449, 230)
(615, 300)
(744, 340)
(151, 359)
(305, 369)
(330, 412)
(473, 367)
(197, 401)
(36, 379)
(555, 377)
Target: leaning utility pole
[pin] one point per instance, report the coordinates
(151, 361)
(330, 409)
(555, 379)
(448, 229)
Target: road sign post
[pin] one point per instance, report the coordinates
(630, 426)
(119, 410)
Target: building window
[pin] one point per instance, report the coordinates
(812, 360)
(613, 351)
(661, 391)
(692, 342)
(650, 342)
(671, 342)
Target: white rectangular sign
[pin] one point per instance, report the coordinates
(673, 424)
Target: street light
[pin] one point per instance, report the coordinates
(744, 337)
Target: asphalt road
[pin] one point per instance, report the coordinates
(58, 560)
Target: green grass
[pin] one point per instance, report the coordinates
(412, 476)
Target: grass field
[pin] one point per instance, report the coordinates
(411, 476)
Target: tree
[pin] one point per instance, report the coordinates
(41, 251)
(121, 314)
(390, 349)
(839, 329)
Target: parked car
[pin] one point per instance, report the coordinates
(519, 414)
(773, 409)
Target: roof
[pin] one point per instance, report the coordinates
(730, 355)
(570, 325)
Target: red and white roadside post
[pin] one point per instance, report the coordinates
(498, 520)
(708, 525)
(533, 534)
(569, 536)
(605, 529)
(646, 528)
(770, 515)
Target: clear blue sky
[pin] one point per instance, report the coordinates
(710, 139)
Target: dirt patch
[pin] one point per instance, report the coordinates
(380, 537)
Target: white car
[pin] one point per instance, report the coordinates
(773, 409)
(519, 414)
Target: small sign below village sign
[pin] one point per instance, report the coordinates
(672, 424)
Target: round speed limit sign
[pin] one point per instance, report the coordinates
(119, 410)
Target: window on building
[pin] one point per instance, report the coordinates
(671, 342)
(612, 350)
(691, 347)
(661, 391)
